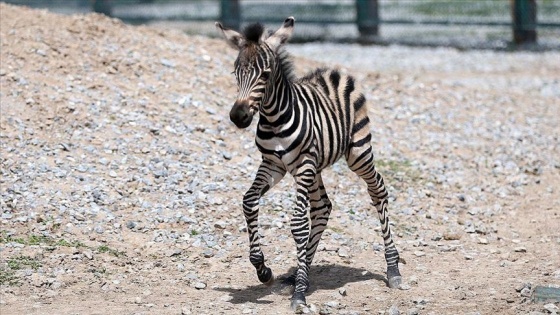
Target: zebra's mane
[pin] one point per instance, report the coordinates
(286, 64)
(253, 32)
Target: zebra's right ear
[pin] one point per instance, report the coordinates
(233, 38)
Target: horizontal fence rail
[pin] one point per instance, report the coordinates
(371, 19)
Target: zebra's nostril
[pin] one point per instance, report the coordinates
(241, 118)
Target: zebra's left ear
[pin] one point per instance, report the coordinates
(233, 38)
(282, 34)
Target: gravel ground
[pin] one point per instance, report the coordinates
(122, 177)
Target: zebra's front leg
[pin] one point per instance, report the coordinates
(300, 227)
(320, 209)
(267, 176)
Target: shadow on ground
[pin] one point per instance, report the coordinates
(322, 277)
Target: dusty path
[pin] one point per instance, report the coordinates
(121, 177)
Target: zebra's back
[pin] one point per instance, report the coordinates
(337, 113)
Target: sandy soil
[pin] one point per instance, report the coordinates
(79, 89)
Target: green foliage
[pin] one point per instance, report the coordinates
(398, 171)
(65, 243)
(34, 239)
(20, 262)
(336, 229)
(8, 277)
(111, 251)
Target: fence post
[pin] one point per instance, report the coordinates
(367, 16)
(524, 14)
(230, 13)
(102, 6)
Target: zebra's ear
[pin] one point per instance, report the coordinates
(233, 38)
(282, 34)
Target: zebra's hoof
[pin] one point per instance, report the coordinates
(298, 301)
(266, 277)
(396, 283)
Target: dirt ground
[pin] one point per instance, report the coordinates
(77, 91)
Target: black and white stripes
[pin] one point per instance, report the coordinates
(305, 125)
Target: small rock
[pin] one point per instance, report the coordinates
(200, 285)
(138, 300)
(186, 310)
(173, 252)
(342, 291)
(88, 254)
(312, 308)
(451, 236)
(526, 292)
(521, 286)
(37, 280)
(482, 240)
(470, 229)
(393, 310)
(412, 311)
(419, 253)
(551, 308)
(220, 225)
(436, 238)
(131, 224)
(342, 252)
(180, 267)
(420, 301)
(520, 249)
(331, 248)
(333, 304)
(302, 309)
(167, 63)
(55, 285)
(208, 253)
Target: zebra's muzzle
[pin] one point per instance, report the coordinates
(241, 114)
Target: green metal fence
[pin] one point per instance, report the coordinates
(493, 23)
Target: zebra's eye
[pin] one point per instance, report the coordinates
(265, 75)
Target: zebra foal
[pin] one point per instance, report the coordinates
(305, 125)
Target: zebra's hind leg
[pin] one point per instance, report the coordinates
(320, 210)
(267, 176)
(360, 160)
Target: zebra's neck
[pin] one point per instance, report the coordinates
(278, 101)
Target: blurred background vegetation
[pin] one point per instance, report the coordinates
(458, 23)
